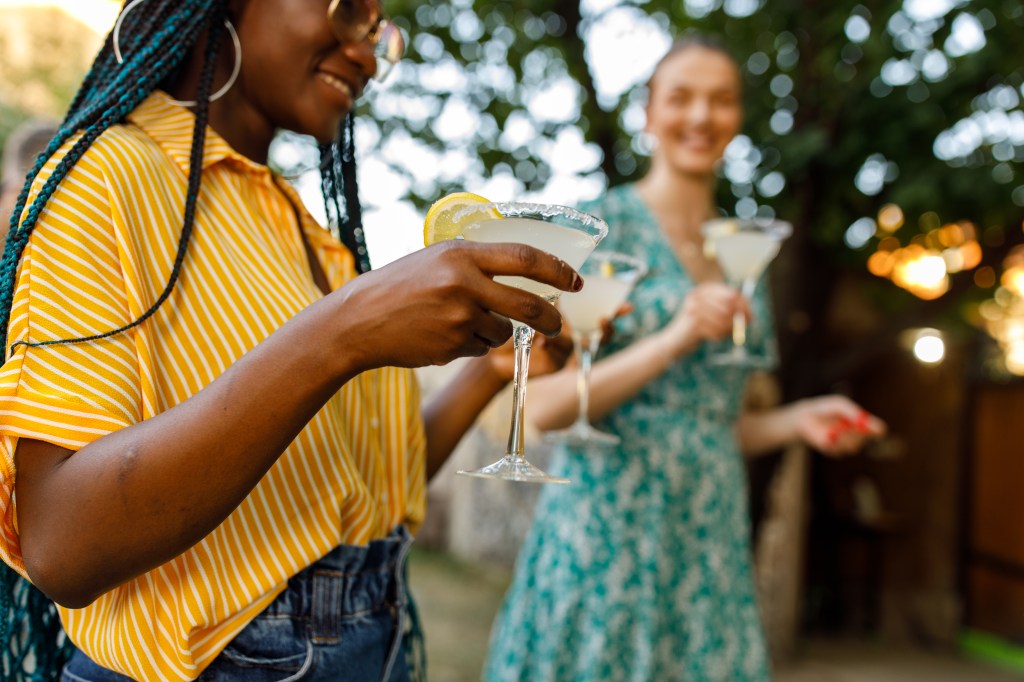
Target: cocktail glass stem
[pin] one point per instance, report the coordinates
(739, 330)
(522, 340)
(513, 465)
(739, 320)
(586, 346)
(581, 433)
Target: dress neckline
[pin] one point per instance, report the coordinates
(666, 251)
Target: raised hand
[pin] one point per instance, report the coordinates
(442, 303)
(706, 315)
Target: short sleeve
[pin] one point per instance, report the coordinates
(70, 284)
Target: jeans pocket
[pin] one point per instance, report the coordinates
(271, 648)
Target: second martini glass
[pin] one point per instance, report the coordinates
(562, 231)
(608, 279)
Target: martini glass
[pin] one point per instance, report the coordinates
(561, 231)
(608, 278)
(744, 248)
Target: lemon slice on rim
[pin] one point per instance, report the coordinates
(440, 224)
(722, 227)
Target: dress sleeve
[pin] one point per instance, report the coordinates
(71, 283)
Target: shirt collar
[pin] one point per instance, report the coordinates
(171, 126)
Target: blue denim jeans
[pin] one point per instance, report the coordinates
(344, 618)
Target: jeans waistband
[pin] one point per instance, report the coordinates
(380, 555)
(347, 590)
(347, 582)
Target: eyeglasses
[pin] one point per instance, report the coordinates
(357, 20)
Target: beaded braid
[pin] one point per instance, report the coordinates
(338, 181)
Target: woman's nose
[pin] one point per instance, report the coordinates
(361, 53)
(700, 111)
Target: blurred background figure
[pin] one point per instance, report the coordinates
(20, 150)
(641, 568)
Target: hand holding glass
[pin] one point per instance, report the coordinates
(561, 231)
(608, 279)
(744, 248)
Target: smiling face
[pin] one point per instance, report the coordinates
(295, 73)
(695, 109)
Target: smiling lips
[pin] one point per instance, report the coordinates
(337, 84)
(696, 142)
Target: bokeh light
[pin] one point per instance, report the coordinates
(929, 347)
(924, 265)
(890, 218)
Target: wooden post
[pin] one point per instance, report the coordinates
(779, 553)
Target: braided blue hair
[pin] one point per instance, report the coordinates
(155, 44)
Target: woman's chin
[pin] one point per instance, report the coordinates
(328, 132)
(696, 167)
(322, 128)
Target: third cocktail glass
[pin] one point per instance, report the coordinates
(743, 248)
(561, 231)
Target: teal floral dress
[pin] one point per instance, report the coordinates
(640, 569)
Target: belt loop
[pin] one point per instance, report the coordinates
(402, 602)
(325, 606)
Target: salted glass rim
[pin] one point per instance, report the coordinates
(591, 224)
(774, 226)
(637, 263)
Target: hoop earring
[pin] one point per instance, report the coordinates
(115, 38)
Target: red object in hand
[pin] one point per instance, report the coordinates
(842, 424)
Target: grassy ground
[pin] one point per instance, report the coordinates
(457, 602)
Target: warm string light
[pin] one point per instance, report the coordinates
(1002, 316)
(923, 266)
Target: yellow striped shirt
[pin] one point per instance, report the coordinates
(100, 254)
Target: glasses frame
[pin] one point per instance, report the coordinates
(351, 26)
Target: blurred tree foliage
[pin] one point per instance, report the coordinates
(849, 107)
(44, 54)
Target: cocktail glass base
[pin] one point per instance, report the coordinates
(512, 468)
(580, 436)
(738, 356)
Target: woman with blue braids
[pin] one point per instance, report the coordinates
(212, 450)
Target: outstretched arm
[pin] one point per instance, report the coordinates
(832, 424)
(706, 314)
(138, 497)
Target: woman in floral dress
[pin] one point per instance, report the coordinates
(640, 570)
